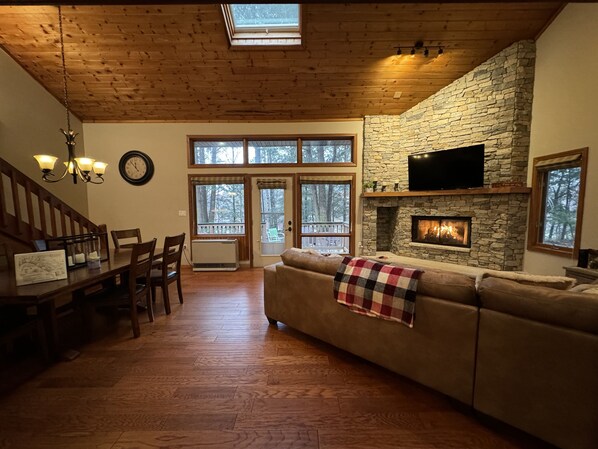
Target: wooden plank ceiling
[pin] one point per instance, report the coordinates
(174, 62)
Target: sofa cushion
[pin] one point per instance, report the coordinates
(547, 305)
(558, 282)
(447, 285)
(311, 260)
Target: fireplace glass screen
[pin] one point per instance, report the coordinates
(450, 231)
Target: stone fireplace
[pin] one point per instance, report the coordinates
(496, 231)
(443, 231)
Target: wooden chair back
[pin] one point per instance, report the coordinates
(125, 234)
(141, 266)
(173, 253)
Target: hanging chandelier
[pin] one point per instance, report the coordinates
(84, 168)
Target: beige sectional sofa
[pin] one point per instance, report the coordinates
(524, 354)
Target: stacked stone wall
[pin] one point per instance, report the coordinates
(489, 105)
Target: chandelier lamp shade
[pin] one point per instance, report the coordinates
(84, 168)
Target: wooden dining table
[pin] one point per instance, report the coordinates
(43, 295)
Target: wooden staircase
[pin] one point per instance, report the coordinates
(29, 212)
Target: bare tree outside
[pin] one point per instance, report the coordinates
(560, 206)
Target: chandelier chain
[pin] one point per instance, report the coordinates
(64, 75)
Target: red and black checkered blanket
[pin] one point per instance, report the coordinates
(376, 289)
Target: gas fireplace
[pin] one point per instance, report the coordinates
(447, 231)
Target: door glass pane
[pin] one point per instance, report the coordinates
(326, 151)
(218, 153)
(327, 245)
(272, 151)
(560, 206)
(272, 221)
(220, 209)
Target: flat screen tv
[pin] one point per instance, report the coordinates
(459, 168)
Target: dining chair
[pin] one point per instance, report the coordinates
(136, 289)
(169, 270)
(118, 235)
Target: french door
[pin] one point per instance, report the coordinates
(272, 218)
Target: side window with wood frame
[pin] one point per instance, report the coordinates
(558, 190)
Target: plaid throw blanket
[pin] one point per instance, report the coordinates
(378, 290)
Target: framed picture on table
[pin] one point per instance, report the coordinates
(33, 268)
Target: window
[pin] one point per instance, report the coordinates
(327, 151)
(263, 24)
(247, 151)
(558, 187)
(326, 221)
(219, 205)
(207, 152)
(272, 151)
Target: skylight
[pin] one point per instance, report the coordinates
(263, 24)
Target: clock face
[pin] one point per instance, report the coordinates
(136, 167)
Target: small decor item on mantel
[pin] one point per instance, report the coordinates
(368, 186)
(375, 185)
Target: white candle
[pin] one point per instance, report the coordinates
(80, 258)
(92, 255)
(70, 259)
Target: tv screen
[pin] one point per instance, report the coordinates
(459, 168)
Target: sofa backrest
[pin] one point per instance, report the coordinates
(434, 283)
(547, 305)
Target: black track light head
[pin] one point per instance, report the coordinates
(440, 51)
(399, 51)
(426, 52)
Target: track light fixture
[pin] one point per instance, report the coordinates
(425, 50)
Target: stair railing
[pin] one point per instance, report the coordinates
(29, 212)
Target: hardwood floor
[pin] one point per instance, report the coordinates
(214, 374)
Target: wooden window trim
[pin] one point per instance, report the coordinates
(246, 138)
(193, 211)
(537, 206)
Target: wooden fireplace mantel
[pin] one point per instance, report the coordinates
(482, 191)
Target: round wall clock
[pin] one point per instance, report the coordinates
(136, 167)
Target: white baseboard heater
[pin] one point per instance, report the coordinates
(215, 255)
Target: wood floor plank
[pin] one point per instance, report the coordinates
(273, 439)
(214, 374)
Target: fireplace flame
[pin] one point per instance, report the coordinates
(443, 231)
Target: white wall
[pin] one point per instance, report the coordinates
(30, 122)
(565, 111)
(155, 206)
